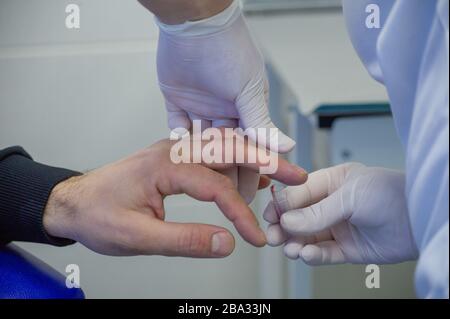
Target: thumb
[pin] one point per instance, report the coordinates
(252, 106)
(318, 217)
(189, 240)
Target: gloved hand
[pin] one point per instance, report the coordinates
(345, 214)
(211, 70)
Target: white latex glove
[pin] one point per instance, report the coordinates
(211, 70)
(345, 214)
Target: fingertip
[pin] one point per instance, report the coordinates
(179, 122)
(222, 244)
(262, 240)
(275, 235)
(292, 251)
(284, 143)
(251, 232)
(298, 175)
(310, 254)
(180, 131)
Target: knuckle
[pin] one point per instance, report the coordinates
(128, 241)
(223, 184)
(226, 183)
(193, 242)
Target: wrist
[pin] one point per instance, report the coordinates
(205, 26)
(206, 9)
(179, 11)
(61, 209)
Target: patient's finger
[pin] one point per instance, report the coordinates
(156, 237)
(264, 162)
(204, 184)
(227, 152)
(232, 173)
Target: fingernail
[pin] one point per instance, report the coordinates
(300, 171)
(221, 244)
(263, 239)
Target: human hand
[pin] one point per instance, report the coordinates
(344, 214)
(119, 210)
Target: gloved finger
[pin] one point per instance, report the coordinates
(293, 247)
(248, 182)
(205, 184)
(316, 218)
(226, 123)
(184, 240)
(264, 182)
(318, 186)
(322, 253)
(270, 214)
(254, 113)
(201, 123)
(273, 212)
(177, 118)
(275, 235)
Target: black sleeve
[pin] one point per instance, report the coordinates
(25, 187)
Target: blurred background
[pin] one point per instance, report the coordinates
(81, 98)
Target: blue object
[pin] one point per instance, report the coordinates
(23, 276)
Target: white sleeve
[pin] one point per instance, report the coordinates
(360, 17)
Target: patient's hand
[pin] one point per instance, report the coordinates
(118, 209)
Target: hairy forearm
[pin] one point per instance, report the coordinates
(61, 207)
(180, 11)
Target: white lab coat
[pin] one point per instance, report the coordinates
(409, 54)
